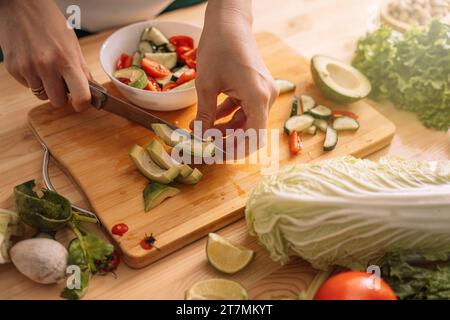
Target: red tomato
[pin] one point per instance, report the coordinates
(189, 55)
(340, 113)
(170, 86)
(125, 61)
(187, 76)
(124, 80)
(154, 69)
(295, 143)
(178, 41)
(355, 286)
(119, 229)
(152, 85)
(182, 50)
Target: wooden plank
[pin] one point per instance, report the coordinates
(93, 146)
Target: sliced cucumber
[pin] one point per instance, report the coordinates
(168, 60)
(145, 47)
(311, 130)
(321, 124)
(177, 74)
(155, 193)
(331, 139)
(160, 156)
(345, 123)
(193, 178)
(154, 35)
(298, 123)
(186, 85)
(321, 112)
(164, 81)
(150, 169)
(169, 136)
(138, 78)
(307, 103)
(284, 85)
(294, 110)
(137, 58)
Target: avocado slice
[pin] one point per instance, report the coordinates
(160, 156)
(339, 81)
(150, 169)
(168, 135)
(155, 193)
(138, 78)
(193, 178)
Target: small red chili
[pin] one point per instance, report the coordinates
(119, 229)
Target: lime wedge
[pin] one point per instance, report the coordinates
(216, 289)
(226, 257)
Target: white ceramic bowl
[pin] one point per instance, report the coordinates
(126, 40)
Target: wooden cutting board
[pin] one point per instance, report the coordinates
(92, 148)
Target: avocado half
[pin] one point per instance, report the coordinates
(339, 81)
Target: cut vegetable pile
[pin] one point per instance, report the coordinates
(350, 212)
(310, 117)
(159, 64)
(155, 163)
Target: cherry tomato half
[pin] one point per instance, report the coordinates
(187, 76)
(124, 61)
(152, 85)
(178, 41)
(119, 229)
(154, 69)
(355, 286)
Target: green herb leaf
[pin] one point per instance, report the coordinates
(76, 294)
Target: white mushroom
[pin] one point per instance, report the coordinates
(41, 260)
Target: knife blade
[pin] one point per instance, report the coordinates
(102, 100)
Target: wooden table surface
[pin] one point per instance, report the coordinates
(309, 26)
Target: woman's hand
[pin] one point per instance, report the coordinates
(42, 52)
(229, 63)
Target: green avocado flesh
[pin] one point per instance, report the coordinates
(149, 168)
(338, 81)
(167, 135)
(160, 156)
(193, 178)
(155, 193)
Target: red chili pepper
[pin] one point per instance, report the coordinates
(342, 113)
(119, 229)
(295, 143)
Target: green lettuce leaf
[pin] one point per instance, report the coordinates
(412, 71)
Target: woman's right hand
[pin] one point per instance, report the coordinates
(40, 51)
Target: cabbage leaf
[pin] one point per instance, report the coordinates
(349, 212)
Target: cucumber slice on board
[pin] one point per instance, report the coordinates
(138, 78)
(284, 85)
(160, 156)
(298, 123)
(193, 178)
(155, 36)
(321, 112)
(311, 130)
(155, 193)
(345, 124)
(167, 59)
(149, 168)
(331, 139)
(294, 110)
(307, 103)
(321, 124)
